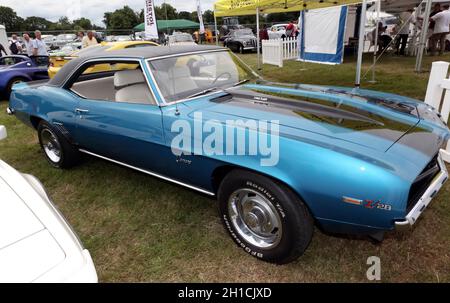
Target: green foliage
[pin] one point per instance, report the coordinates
(9, 18)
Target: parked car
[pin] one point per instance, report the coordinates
(350, 161)
(18, 68)
(277, 31)
(241, 40)
(63, 39)
(36, 243)
(66, 50)
(179, 38)
(59, 61)
(123, 38)
(50, 42)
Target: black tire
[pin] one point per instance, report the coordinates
(68, 154)
(240, 49)
(10, 85)
(297, 225)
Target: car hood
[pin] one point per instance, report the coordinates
(27, 248)
(376, 122)
(17, 221)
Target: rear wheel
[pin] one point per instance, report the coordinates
(58, 151)
(264, 217)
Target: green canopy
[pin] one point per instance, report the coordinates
(170, 24)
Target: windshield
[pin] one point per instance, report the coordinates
(187, 75)
(243, 32)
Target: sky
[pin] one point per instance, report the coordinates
(91, 9)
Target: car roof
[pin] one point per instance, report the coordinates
(153, 52)
(129, 53)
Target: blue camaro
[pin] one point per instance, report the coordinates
(17, 68)
(280, 158)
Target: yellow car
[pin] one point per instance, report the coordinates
(57, 62)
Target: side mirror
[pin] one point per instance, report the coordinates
(3, 133)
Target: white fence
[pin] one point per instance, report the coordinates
(437, 85)
(275, 51)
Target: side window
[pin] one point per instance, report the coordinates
(113, 81)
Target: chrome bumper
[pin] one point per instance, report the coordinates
(425, 200)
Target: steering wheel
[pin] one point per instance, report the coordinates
(222, 74)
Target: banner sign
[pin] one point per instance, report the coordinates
(328, 47)
(200, 17)
(151, 28)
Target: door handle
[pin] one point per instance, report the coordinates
(81, 111)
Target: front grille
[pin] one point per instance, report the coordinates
(422, 182)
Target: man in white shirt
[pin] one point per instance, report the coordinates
(406, 18)
(39, 47)
(28, 44)
(89, 40)
(441, 29)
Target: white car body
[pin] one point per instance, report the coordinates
(277, 31)
(36, 242)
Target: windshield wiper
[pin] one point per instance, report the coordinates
(241, 82)
(204, 92)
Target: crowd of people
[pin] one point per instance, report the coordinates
(37, 47)
(30, 47)
(439, 29)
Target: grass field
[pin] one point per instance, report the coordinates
(138, 228)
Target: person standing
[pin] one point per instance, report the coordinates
(263, 33)
(80, 36)
(89, 40)
(441, 29)
(405, 24)
(290, 30)
(39, 47)
(15, 46)
(28, 43)
(433, 41)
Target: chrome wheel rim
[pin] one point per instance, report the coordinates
(51, 145)
(16, 82)
(255, 219)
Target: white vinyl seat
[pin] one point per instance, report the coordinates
(138, 93)
(128, 77)
(132, 88)
(181, 77)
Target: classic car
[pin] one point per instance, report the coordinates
(277, 31)
(179, 38)
(18, 68)
(241, 40)
(66, 50)
(57, 62)
(36, 243)
(349, 161)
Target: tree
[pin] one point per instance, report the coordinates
(166, 11)
(184, 15)
(208, 16)
(9, 18)
(124, 18)
(37, 23)
(82, 24)
(62, 24)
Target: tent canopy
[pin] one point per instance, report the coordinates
(170, 24)
(224, 8)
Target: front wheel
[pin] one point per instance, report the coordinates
(58, 151)
(264, 217)
(10, 85)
